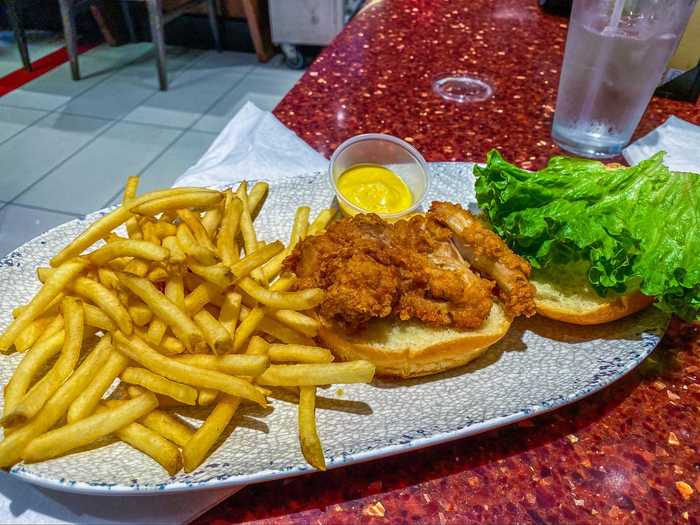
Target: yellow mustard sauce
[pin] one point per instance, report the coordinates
(374, 188)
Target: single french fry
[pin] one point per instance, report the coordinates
(216, 336)
(137, 267)
(308, 436)
(171, 346)
(207, 397)
(128, 248)
(300, 300)
(318, 374)
(217, 274)
(232, 364)
(226, 241)
(230, 311)
(181, 325)
(300, 226)
(160, 385)
(195, 225)
(189, 245)
(108, 278)
(283, 353)
(61, 440)
(197, 448)
(258, 347)
(32, 401)
(256, 198)
(29, 336)
(112, 220)
(150, 443)
(28, 367)
(96, 318)
(283, 284)
(55, 284)
(157, 274)
(279, 331)
(177, 256)
(175, 290)
(105, 299)
(163, 229)
(132, 225)
(156, 331)
(300, 322)
(140, 313)
(321, 221)
(149, 358)
(204, 293)
(250, 241)
(246, 329)
(259, 257)
(12, 446)
(202, 200)
(85, 403)
(212, 220)
(53, 328)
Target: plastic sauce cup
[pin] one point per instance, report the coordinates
(387, 151)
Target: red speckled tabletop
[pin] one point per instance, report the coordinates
(629, 454)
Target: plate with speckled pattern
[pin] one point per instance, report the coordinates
(538, 366)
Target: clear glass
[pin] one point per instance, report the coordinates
(391, 152)
(616, 53)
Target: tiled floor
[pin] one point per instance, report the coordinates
(40, 44)
(67, 147)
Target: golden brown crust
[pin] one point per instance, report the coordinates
(617, 308)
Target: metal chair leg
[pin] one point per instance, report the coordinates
(155, 17)
(68, 18)
(128, 21)
(214, 23)
(18, 30)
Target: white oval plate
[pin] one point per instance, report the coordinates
(539, 366)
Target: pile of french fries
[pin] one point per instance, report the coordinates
(190, 308)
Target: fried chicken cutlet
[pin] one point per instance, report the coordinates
(410, 269)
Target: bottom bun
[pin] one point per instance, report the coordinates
(564, 294)
(412, 348)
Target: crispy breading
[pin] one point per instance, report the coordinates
(374, 269)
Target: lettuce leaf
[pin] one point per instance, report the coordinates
(638, 227)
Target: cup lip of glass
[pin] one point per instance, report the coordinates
(414, 153)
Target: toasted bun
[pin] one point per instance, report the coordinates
(564, 294)
(412, 348)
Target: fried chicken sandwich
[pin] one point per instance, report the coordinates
(417, 296)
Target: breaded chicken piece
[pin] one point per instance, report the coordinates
(374, 269)
(487, 253)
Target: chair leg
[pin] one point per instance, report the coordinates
(155, 17)
(20, 36)
(128, 21)
(68, 18)
(214, 23)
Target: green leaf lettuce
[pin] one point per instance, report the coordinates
(637, 227)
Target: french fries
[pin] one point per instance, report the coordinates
(182, 317)
(308, 437)
(160, 385)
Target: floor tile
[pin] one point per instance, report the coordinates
(111, 99)
(89, 179)
(227, 60)
(40, 44)
(14, 120)
(19, 224)
(185, 152)
(265, 90)
(36, 150)
(190, 94)
(52, 90)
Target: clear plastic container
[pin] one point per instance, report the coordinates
(383, 150)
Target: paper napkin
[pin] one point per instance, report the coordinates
(678, 138)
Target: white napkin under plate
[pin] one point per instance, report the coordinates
(678, 138)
